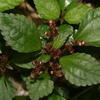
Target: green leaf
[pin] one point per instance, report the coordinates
(75, 13)
(26, 65)
(44, 58)
(19, 32)
(40, 88)
(64, 32)
(64, 3)
(9, 4)
(48, 9)
(7, 90)
(81, 69)
(89, 30)
(56, 97)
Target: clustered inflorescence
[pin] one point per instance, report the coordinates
(53, 66)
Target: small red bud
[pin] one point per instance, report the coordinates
(50, 21)
(81, 43)
(33, 62)
(58, 74)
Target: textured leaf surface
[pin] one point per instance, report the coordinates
(89, 30)
(56, 97)
(40, 88)
(19, 32)
(9, 4)
(7, 90)
(48, 9)
(75, 13)
(81, 69)
(64, 32)
(64, 3)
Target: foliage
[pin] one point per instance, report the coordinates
(50, 49)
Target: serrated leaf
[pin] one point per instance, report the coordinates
(20, 33)
(9, 4)
(44, 58)
(75, 13)
(40, 88)
(64, 3)
(56, 97)
(7, 90)
(50, 10)
(64, 32)
(89, 30)
(81, 69)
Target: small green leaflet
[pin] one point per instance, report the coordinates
(48, 9)
(81, 69)
(28, 65)
(56, 97)
(7, 90)
(44, 58)
(64, 32)
(75, 13)
(89, 30)
(40, 88)
(19, 32)
(9, 4)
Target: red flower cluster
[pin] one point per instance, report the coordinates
(54, 53)
(52, 68)
(54, 29)
(78, 42)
